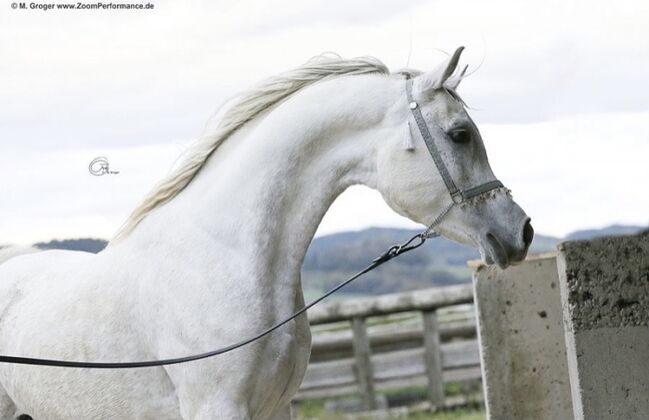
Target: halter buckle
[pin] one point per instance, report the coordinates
(457, 197)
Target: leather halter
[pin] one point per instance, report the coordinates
(457, 195)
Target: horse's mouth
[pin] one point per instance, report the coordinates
(495, 252)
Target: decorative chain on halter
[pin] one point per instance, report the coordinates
(458, 196)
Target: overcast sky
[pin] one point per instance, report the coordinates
(561, 97)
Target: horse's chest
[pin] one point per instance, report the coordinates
(284, 364)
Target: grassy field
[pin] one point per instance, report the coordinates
(316, 409)
(317, 412)
(459, 414)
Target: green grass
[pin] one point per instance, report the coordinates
(459, 414)
(314, 410)
(450, 389)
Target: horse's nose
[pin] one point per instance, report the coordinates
(506, 248)
(528, 234)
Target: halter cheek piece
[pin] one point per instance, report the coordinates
(457, 195)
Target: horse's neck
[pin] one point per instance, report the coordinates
(265, 190)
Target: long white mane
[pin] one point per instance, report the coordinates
(246, 107)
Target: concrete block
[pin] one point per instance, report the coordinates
(605, 294)
(522, 346)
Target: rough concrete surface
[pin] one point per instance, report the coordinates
(605, 296)
(522, 344)
(607, 281)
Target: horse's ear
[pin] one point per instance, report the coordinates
(453, 81)
(435, 79)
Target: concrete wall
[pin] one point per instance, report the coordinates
(522, 344)
(605, 295)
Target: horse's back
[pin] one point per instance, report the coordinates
(19, 258)
(40, 270)
(31, 267)
(8, 252)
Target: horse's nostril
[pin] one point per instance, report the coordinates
(528, 233)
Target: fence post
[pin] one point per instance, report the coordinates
(433, 358)
(364, 369)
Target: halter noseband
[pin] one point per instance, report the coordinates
(457, 195)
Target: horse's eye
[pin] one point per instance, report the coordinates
(460, 135)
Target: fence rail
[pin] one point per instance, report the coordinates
(419, 300)
(361, 360)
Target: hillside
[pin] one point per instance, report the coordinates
(332, 258)
(437, 263)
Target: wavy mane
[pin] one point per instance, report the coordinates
(246, 106)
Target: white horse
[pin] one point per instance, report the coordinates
(213, 254)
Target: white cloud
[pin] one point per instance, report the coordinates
(51, 194)
(560, 81)
(576, 172)
(572, 173)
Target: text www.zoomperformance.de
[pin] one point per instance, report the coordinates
(81, 6)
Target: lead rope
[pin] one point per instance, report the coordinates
(394, 251)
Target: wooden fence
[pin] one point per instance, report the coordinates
(437, 344)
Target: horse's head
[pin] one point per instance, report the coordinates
(412, 184)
